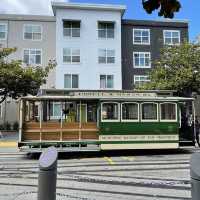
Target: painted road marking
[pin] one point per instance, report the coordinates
(129, 158)
(8, 144)
(109, 160)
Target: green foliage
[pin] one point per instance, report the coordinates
(167, 7)
(177, 69)
(16, 126)
(1, 127)
(17, 80)
(7, 126)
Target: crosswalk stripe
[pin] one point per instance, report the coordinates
(109, 160)
(128, 158)
(8, 144)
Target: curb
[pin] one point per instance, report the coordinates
(8, 144)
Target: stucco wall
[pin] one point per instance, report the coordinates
(9, 111)
(89, 70)
(47, 44)
(15, 25)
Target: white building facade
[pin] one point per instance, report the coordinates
(88, 46)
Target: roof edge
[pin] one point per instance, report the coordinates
(164, 21)
(88, 6)
(24, 17)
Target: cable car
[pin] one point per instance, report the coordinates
(86, 120)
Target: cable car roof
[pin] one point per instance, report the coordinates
(100, 95)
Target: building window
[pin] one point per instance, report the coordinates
(106, 30)
(168, 112)
(71, 55)
(91, 112)
(32, 56)
(106, 81)
(32, 32)
(130, 111)
(71, 28)
(140, 79)
(3, 31)
(141, 36)
(171, 37)
(141, 59)
(71, 81)
(106, 56)
(110, 112)
(149, 111)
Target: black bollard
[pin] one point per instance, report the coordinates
(47, 174)
(195, 176)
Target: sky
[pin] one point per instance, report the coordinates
(190, 10)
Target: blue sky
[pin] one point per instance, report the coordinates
(190, 10)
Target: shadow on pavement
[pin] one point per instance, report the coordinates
(115, 153)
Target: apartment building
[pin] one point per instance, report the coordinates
(94, 48)
(88, 46)
(142, 41)
(34, 38)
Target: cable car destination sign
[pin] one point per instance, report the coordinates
(110, 94)
(97, 94)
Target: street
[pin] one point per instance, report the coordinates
(138, 175)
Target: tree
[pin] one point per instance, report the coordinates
(16, 80)
(177, 69)
(167, 7)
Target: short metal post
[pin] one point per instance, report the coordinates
(47, 174)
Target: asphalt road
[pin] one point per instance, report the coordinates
(134, 175)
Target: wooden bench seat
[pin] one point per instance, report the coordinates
(57, 136)
(52, 131)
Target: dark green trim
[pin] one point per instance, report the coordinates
(138, 128)
(56, 143)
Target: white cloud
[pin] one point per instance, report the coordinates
(34, 7)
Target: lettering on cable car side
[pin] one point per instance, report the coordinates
(112, 94)
(138, 137)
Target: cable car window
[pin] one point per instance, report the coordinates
(91, 112)
(55, 110)
(149, 111)
(110, 111)
(129, 111)
(168, 111)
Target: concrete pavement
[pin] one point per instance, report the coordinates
(138, 175)
(8, 140)
(125, 175)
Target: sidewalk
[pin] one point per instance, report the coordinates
(8, 140)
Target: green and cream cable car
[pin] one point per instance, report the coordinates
(101, 120)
